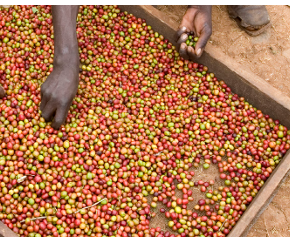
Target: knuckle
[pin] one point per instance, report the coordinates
(63, 103)
(208, 30)
(179, 32)
(45, 93)
(53, 97)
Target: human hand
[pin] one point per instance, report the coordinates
(61, 86)
(58, 92)
(197, 20)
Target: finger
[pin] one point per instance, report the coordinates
(2, 92)
(48, 112)
(191, 52)
(60, 117)
(42, 104)
(183, 51)
(182, 38)
(179, 32)
(203, 38)
(44, 99)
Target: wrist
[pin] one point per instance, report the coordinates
(68, 57)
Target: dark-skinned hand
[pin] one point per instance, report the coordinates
(60, 87)
(196, 20)
(58, 92)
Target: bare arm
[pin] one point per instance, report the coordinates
(60, 87)
(65, 36)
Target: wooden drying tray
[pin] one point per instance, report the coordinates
(254, 89)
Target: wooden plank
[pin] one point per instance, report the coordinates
(263, 199)
(5, 231)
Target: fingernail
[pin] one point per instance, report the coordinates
(198, 51)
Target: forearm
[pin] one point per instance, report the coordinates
(65, 37)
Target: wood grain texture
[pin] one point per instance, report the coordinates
(5, 231)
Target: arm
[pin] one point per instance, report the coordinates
(197, 19)
(60, 87)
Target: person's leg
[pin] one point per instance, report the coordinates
(252, 19)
